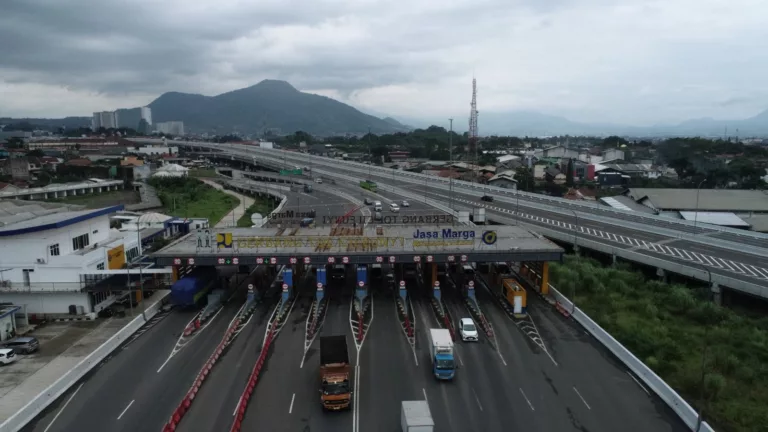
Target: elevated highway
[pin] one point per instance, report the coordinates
(720, 256)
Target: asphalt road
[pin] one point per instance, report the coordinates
(129, 384)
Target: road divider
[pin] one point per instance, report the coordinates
(40, 402)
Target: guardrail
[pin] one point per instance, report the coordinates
(666, 393)
(60, 386)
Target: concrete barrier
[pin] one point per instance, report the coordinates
(60, 386)
(686, 413)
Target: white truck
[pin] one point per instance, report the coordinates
(441, 353)
(415, 417)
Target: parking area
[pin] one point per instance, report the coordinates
(62, 345)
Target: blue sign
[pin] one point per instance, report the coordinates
(288, 277)
(446, 233)
(321, 276)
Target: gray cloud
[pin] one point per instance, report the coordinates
(632, 61)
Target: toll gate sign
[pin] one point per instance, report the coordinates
(331, 260)
(259, 260)
(392, 259)
(379, 259)
(293, 260)
(402, 284)
(273, 260)
(345, 260)
(417, 258)
(306, 260)
(451, 258)
(285, 287)
(177, 261)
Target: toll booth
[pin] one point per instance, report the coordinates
(321, 278)
(287, 284)
(361, 289)
(515, 295)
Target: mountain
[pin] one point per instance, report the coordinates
(52, 124)
(269, 105)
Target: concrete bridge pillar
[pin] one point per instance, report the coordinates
(717, 294)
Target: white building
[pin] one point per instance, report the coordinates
(170, 127)
(52, 256)
(146, 114)
(105, 119)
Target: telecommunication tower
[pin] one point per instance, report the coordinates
(472, 135)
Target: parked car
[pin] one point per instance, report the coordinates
(468, 330)
(487, 198)
(7, 356)
(405, 204)
(22, 345)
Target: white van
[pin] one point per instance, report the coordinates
(377, 206)
(468, 330)
(394, 208)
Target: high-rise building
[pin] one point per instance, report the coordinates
(132, 117)
(170, 127)
(104, 119)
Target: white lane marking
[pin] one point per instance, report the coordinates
(477, 399)
(290, 409)
(582, 398)
(356, 410)
(423, 390)
(526, 399)
(639, 383)
(173, 350)
(236, 407)
(63, 407)
(126, 409)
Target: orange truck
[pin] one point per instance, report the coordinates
(335, 392)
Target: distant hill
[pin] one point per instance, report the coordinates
(52, 124)
(268, 105)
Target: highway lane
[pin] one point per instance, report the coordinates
(216, 400)
(388, 370)
(286, 397)
(586, 389)
(131, 375)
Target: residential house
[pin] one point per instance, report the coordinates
(612, 154)
(554, 175)
(504, 179)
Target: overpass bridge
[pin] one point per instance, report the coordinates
(722, 257)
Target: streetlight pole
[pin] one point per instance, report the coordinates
(141, 276)
(575, 249)
(450, 165)
(696, 214)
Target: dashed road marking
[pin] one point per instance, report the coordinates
(582, 398)
(126, 409)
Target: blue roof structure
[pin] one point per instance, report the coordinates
(55, 220)
(7, 310)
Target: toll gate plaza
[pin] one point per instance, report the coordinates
(358, 245)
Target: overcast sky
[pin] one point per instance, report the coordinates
(626, 61)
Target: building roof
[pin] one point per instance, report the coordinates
(733, 200)
(621, 202)
(153, 218)
(715, 218)
(79, 162)
(7, 310)
(504, 175)
(23, 217)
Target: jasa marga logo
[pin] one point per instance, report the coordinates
(446, 233)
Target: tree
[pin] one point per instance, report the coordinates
(15, 142)
(525, 180)
(36, 153)
(569, 174)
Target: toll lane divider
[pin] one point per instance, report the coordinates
(666, 393)
(40, 402)
(186, 402)
(253, 379)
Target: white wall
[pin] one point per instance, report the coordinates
(49, 303)
(7, 325)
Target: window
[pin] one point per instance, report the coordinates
(100, 266)
(54, 249)
(131, 254)
(80, 242)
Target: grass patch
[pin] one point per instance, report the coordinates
(261, 205)
(104, 199)
(668, 327)
(189, 197)
(202, 173)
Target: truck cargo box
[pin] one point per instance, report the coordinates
(415, 417)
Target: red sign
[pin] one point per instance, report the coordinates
(429, 258)
(273, 260)
(471, 284)
(437, 284)
(177, 261)
(191, 261)
(417, 258)
(306, 260)
(402, 284)
(259, 260)
(235, 260)
(451, 258)
(220, 260)
(285, 287)
(463, 258)
(319, 285)
(331, 260)
(379, 259)
(361, 284)
(292, 260)
(391, 259)
(345, 260)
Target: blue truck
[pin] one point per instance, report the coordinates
(441, 353)
(193, 289)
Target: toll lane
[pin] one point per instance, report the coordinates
(388, 370)
(216, 400)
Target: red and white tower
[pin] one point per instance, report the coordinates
(472, 135)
